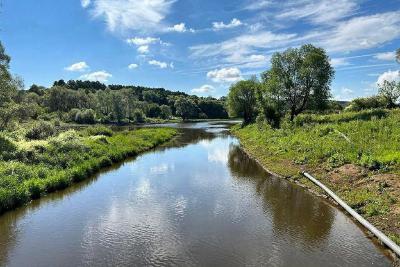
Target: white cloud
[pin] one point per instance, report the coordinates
(388, 56)
(133, 66)
(204, 89)
(144, 49)
(388, 76)
(225, 75)
(80, 66)
(258, 4)
(338, 62)
(363, 32)
(160, 64)
(142, 41)
(242, 49)
(85, 3)
(345, 94)
(101, 76)
(181, 27)
(126, 15)
(220, 25)
(318, 12)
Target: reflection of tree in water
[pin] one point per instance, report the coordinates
(293, 210)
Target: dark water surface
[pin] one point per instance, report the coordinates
(198, 202)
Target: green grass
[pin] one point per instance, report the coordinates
(30, 169)
(373, 143)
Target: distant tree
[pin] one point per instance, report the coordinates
(213, 108)
(138, 116)
(242, 100)
(186, 108)
(59, 83)
(166, 112)
(304, 74)
(390, 90)
(153, 110)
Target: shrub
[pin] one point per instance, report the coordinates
(138, 116)
(86, 116)
(41, 130)
(99, 130)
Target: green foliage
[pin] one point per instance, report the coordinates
(368, 138)
(99, 130)
(390, 91)
(69, 157)
(186, 108)
(138, 116)
(40, 130)
(86, 116)
(242, 100)
(372, 102)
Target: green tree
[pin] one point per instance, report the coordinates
(304, 74)
(242, 100)
(166, 112)
(390, 91)
(186, 108)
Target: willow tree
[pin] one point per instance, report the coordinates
(303, 76)
(242, 100)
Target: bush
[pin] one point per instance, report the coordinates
(41, 130)
(138, 116)
(362, 103)
(87, 116)
(99, 130)
(7, 148)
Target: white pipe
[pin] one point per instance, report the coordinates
(381, 236)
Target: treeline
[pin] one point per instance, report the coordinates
(87, 102)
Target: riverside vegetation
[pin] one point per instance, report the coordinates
(39, 151)
(41, 159)
(291, 126)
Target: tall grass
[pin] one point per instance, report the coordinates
(34, 168)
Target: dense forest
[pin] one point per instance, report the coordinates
(88, 102)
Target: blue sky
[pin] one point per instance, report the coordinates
(197, 46)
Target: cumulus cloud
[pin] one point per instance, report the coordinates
(220, 25)
(126, 15)
(133, 66)
(387, 56)
(181, 27)
(79, 66)
(345, 94)
(160, 64)
(363, 32)
(100, 76)
(85, 3)
(144, 49)
(225, 75)
(388, 76)
(204, 89)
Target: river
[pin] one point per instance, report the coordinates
(198, 201)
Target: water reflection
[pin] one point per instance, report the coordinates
(293, 211)
(197, 201)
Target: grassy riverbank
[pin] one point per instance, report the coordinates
(40, 160)
(355, 154)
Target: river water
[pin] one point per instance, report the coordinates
(198, 201)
